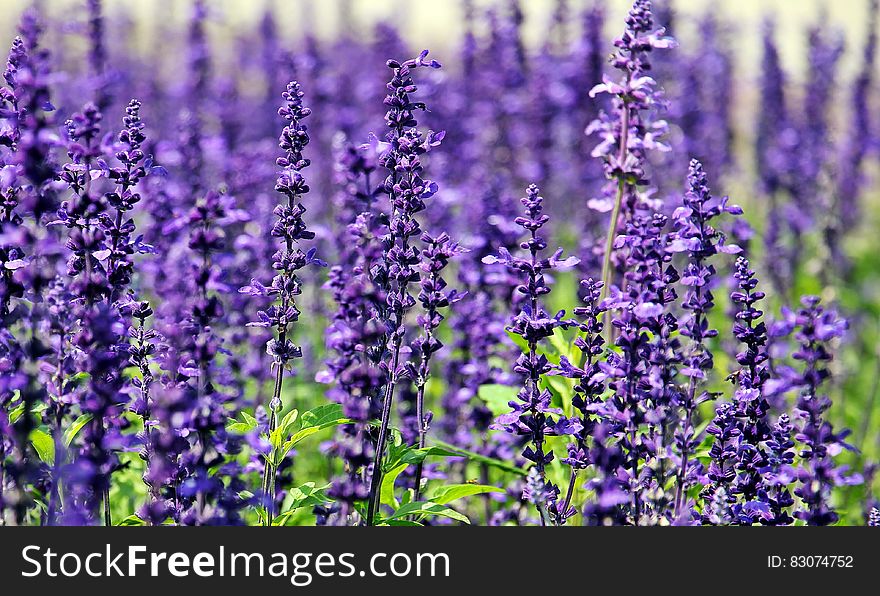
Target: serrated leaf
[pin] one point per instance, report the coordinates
(73, 429)
(44, 445)
(448, 493)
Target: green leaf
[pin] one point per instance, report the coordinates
(497, 397)
(16, 413)
(408, 496)
(559, 343)
(132, 520)
(313, 421)
(76, 378)
(422, 509)
(386, 492)
(489, 461)
(44, 446)
(321, 415)
(250, 420)
(448, 493)
(242, 428)
(239, 428)
(307, 495)
(402, 522)
(73, 429)
(288, 421)
(519, 341)
(414, 456)
(284, 518)
(402, 454)
(275, 438)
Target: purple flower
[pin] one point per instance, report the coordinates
(630, 132)
(533, 416)
(816, 329)
(407, 191)
(700, 241)
(433, 296)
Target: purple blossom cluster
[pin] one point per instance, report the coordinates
(206, 321)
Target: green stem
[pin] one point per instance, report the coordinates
(607, 265)
(270, 471)
(376, 480)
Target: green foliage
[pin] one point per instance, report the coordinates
(419, 511)
(496, 397)
(283, 439)
(305, 496)
(452, 492)
(73, 430)
(44, 445)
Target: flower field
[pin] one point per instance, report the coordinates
(611, 275)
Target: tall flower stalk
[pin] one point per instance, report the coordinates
(696, 236)
(817, 327)
(290, 258)
(532, 416)
(407, 192)
(631, 131)
(433, 296)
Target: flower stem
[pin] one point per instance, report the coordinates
(423, 430)
(269, 471)
(679, 489)
(376, 480)
(569, 493)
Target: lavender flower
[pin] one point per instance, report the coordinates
(533, 416)
(816, 327)
(778, 474)
(632, 131)
(590, 383)
(696, 236)
(642, 373)
(749, 399)
(433, 296)
(407, 192)
(291, 229)
(135, 167)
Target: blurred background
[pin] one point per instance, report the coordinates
(437, 23)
